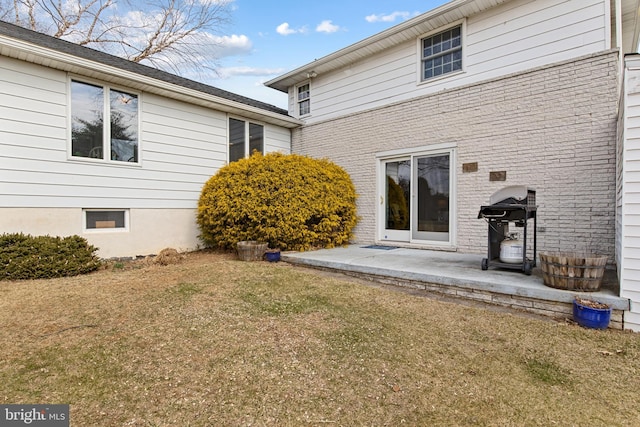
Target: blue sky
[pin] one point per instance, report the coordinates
(269, 38)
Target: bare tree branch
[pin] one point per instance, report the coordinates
(168, 34)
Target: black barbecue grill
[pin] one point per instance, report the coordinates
(510, 205)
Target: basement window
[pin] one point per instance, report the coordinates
(111, 219)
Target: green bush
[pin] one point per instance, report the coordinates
(43, 257)
(290, 201)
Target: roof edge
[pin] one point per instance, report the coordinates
(140, 73)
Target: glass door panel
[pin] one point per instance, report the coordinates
(397, 200)
(431, 213)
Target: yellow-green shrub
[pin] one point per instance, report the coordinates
(23, 256)
(292, 202)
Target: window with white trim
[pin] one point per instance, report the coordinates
(304, 100)
(441, 53)
(94, 137)
(244, 138)
(106, 219)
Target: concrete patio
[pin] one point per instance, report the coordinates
(458, 275)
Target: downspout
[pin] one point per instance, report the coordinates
(618, 17)
(618, 6)
(636, 28)
(618, 229)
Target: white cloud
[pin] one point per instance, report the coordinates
(327, 27)
(284, 29)
(231, 45)
(387, 18)
(227, 72)
(211, 49)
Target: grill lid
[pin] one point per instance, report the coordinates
(513, 203)
(514, 194)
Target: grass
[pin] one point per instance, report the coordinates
(216, 341)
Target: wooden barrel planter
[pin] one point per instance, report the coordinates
(251, 250)
(571, 271)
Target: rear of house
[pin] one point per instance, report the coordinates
(130, 185)
(434, 115)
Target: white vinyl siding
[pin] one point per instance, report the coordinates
(510, 38)
(629, 168)
(33, 113)
(182, 145)
(277, 139)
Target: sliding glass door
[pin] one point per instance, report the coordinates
(431, 219)
(416, 198)
(397, 197)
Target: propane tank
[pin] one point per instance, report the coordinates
(511, 249)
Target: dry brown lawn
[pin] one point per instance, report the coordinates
(213, 341)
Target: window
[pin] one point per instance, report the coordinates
(91, 137)
(106, 219)
(442, 53)
(244, 139)
(304, 100)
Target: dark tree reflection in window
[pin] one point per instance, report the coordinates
(124, 126)
(433, 193)
(236, 140)
(88, 127)
(398, 188)
(256, 138)
(87, 106)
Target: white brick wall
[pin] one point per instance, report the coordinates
(552, 128)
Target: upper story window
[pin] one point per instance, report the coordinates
(92, 136)
(442, 53)
(304, 100)
(244, 139)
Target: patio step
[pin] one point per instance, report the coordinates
(458, 276)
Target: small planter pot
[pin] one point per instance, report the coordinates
(272, 255)
(591, 314)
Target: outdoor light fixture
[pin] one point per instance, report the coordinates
(311, 74)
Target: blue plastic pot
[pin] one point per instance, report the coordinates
(589, 317)
(272, 256)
